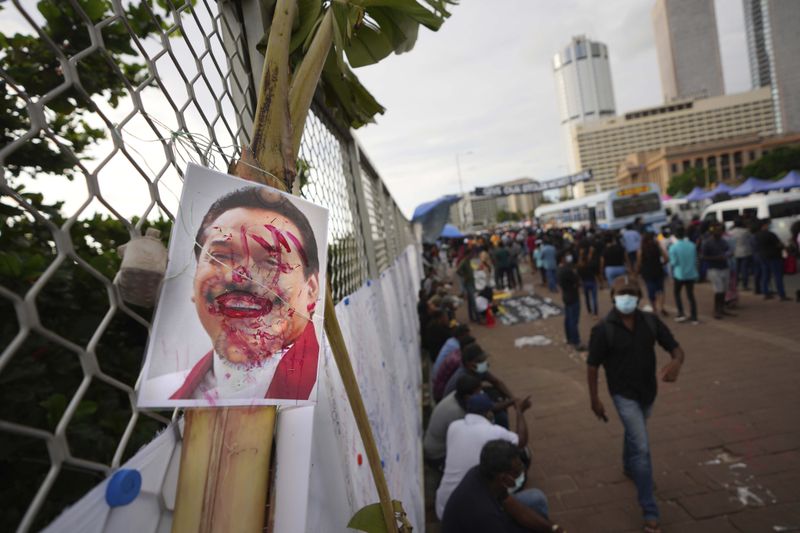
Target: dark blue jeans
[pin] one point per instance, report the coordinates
(590, 294)
(772, 268)
(551, 280)
(758, 274)
(572, 313)
(636, 451)
(469, 294)
(744, 266)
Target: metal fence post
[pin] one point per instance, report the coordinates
(360, 205)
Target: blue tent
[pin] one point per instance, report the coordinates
(750, 186)
(789, 181)
(451, 232)
(432, 216)
(719, 189)
(696, 195)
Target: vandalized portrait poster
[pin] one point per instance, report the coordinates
(239, 319)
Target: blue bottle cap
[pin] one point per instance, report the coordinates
(123, 487)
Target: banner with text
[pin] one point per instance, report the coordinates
(528, 188)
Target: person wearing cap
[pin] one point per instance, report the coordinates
(624, 344)
(486, 501)
(466, 437)
(451, 408)
(475, 361)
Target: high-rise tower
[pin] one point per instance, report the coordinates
(687, 45)
(583, 84)
(583, 81)
(773, 45)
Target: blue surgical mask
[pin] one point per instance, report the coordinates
(518, 482)
(626, 303)
(482, 367)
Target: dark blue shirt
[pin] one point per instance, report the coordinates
(473, 509)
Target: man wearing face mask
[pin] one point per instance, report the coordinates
(475, 361)
(482, 502)
(466, 437)
(624, 344)
(570, 283)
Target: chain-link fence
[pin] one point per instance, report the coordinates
(104, 103)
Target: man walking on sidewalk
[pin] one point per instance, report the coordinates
(624, 345)
(715, 253)
(683, 260)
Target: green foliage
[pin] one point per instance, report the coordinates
(775, 164)
(684, 182)
(364, 31)
(42, 377)
(36, 66)
(506, 216)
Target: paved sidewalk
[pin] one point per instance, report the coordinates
(725, 438)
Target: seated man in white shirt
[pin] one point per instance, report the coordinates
(451, 408)
(465, 440)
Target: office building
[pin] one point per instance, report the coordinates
(687, 46)
(583, 81)
(583, 84)
(602, 145)
(773, 44)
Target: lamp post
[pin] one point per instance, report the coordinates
(462, 214)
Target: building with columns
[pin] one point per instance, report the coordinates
(721, 160)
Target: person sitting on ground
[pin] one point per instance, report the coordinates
(475, 361)
(452, 407)
(436, 333)
(466, 437)
(483, 501)
(449, 367)
(450, 345)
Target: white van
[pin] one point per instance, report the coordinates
(782, 208)
(685, 210)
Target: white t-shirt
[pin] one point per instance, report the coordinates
(465, 440)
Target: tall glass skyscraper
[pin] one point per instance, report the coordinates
(773, 44)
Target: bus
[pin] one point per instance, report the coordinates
(612, 209)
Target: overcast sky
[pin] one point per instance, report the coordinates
(484, 84)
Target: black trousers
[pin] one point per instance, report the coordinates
(689, 284)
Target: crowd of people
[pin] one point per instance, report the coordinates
(481, 458)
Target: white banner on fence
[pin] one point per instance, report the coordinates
(322, 475)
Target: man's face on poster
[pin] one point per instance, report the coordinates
(250, 290)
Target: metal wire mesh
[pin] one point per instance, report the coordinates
(104, 102)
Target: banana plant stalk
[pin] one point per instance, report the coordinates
(219, 487)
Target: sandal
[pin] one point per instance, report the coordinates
(651, 526)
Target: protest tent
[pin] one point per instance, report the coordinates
(696, 195)
(719, 189)
(450, 231)
(789, 181)
(751, 185)
(432, 216)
